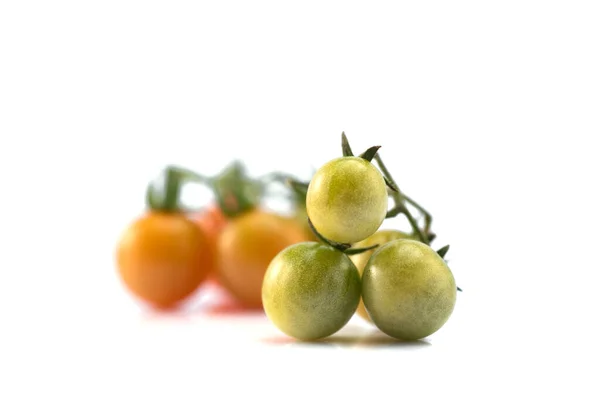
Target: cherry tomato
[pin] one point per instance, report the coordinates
(408, 290)
(347, 199)
(246, 247)
(162, 258)
(310, 290)
(380, 237)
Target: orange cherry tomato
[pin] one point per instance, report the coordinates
(246, 247)
(163, 258)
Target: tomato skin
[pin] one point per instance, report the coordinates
(408, 290)
(347, 199)
(162, 258)
(310, 290)
(212, 221)
(380, 237)
(245, 248)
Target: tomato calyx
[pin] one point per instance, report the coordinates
(442, 252)
(400, 200)
(162, 194)
(346, 149)
(235, 192)
(370, 153)
(366, 155)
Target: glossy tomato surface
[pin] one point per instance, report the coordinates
(311, 290)
(246, 247)
(347, 199)
(380, 238)
(408, 290)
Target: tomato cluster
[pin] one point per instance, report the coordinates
(312, 271)
(391, 278)
(169, 252)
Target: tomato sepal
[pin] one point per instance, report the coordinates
(442, 252)
(370, 153)
(346, 150)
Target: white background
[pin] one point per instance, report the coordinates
(487, 113)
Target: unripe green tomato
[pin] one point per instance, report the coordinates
(310, 290)
(347, 199)
(380, 237)
(408, 290)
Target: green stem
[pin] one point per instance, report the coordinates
(236, 193)
(166, 197)
(399, 201)
(443, 251)
(359, 250)
(279, 177)
(189, 175)
(339, 246)
(426, 214)
(346, 150)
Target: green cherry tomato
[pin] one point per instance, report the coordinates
(408, 290)
(380, 237)
(310, 290)
(347, 199)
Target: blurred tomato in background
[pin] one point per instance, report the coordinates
(246, 247)
(162, 258)
(223, 247)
